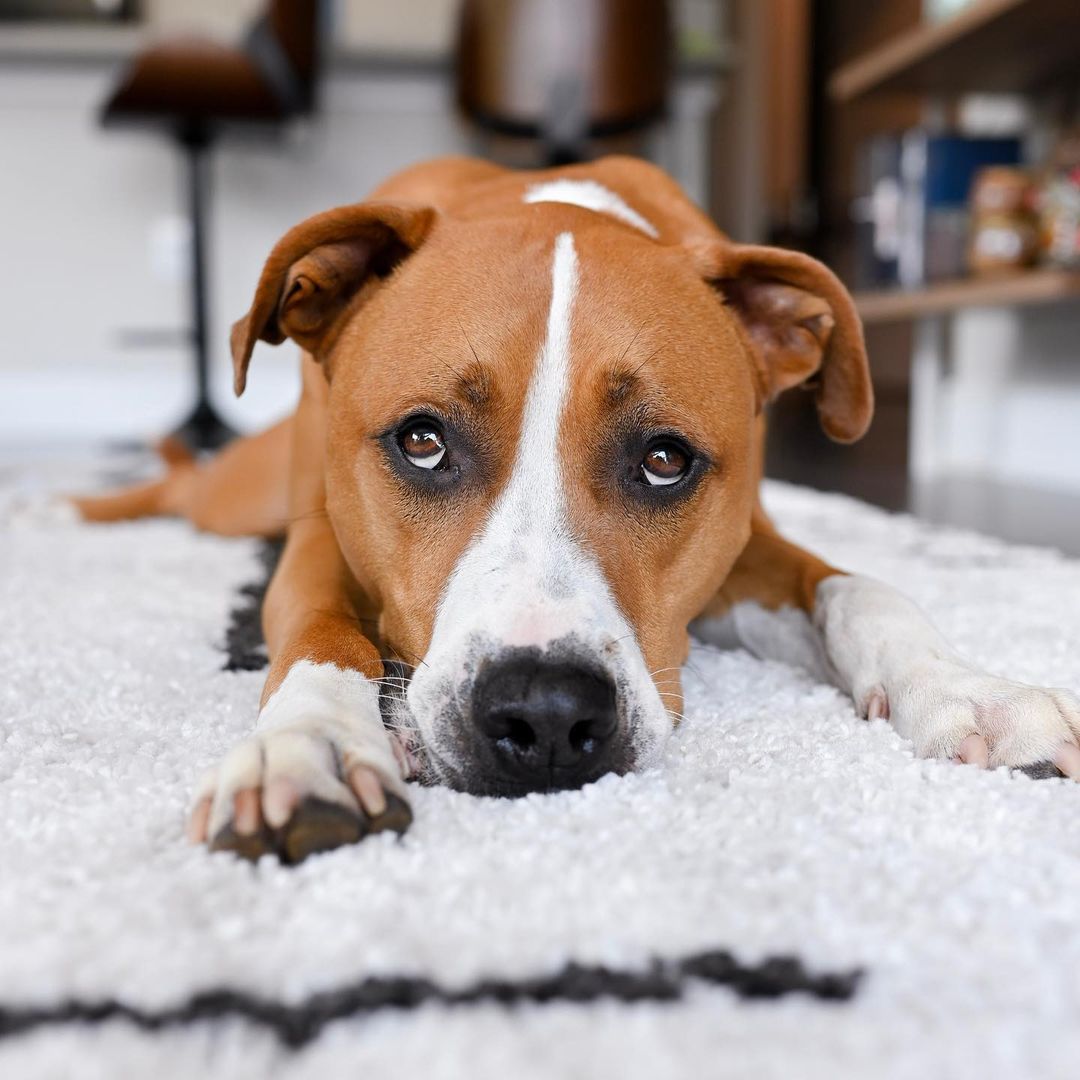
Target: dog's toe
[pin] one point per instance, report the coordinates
(250, 846)
(318, 825)
(294, 793)
(973, 751)
(1067, 760)
(397, 817)
(385, 810)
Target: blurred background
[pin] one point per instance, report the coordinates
(152, 151)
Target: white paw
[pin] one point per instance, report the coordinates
(950, 710)
(297, 790)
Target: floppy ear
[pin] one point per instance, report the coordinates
(801, 326)
(317, 268)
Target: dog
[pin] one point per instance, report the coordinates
(523, 469)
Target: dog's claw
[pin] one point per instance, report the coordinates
(1067, 760)
(877, 706)
(973, 751)
(280, 798)
(368, 789)
(385, 810)
(247, 816)
(199, 820)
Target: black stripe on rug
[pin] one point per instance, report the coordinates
(245, 646)
(296, 1025)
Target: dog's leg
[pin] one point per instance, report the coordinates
(320, 769)
(783, 603)
(240, 491)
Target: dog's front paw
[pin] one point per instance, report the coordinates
(294, 792)
(951, 711)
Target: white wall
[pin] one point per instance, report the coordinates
(79, 211)
(1041, 430)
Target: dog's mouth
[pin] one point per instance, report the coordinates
(400, 723)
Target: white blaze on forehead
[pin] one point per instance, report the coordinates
(525, 580)
(591, 196)
(536, 480)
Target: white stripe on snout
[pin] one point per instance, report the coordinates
(536, 482)
(591, 196)
(525, 580)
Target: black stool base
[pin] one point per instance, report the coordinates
(204, 429)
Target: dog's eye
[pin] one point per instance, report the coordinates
(422, 443)
(665, 463)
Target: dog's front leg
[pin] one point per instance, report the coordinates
(320, 770)
(782, 603)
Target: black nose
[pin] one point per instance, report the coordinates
(546, 724)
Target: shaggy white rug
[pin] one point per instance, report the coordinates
(779, 826)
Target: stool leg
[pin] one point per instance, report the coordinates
(203, 429)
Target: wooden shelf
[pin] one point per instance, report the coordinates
(1014, 290)
(994, 45)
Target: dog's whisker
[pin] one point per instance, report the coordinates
(645, 361)
(449, 367)
(630, 343)
(472, 348)
(420, 660)
(660, 671)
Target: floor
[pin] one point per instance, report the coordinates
(875, 470)
(1015, 513)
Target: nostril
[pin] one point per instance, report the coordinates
(518, 734)
(582, 737)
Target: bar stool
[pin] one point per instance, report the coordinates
(193, 91)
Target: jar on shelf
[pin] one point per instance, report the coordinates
(1004, 228)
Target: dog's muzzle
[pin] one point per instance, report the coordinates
(544, 723)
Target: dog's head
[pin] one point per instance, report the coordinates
(542, 450)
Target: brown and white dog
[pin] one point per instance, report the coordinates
(525, 463)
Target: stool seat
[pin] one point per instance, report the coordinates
(193, 81)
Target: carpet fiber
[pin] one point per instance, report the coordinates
(791, 894)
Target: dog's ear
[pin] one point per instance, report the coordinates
(318, 267)
(801, 327)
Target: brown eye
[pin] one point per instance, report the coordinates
(422, 443)
(665, 463)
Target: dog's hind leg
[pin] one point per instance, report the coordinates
(150, 499)
(242, 491)
(782, 603)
